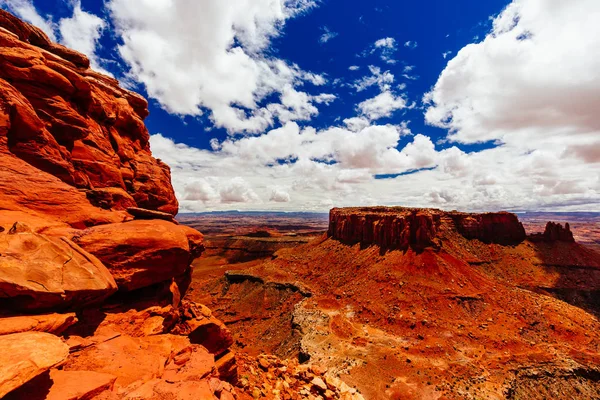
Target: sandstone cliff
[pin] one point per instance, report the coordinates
(70, 136)
(403, 228)
(93, 266)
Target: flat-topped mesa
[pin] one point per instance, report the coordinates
(387, 227)
(403, 228)
(500, 227)
(554, 232)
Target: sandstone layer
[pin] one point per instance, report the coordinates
(403, 228)
(67, 128)
(93, 265)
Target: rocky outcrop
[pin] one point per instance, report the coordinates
(388, 227)
(69, 122)
(501, 227)
(85, 210)
(402, 228)
(39, 272)
(50, 323)
(24, 356)
(554, 232)
(139, 253)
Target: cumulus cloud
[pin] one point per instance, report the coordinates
(382, 79)
(27, 11)
(213, 55)
(381, 106)
(532, 86)
(386, 47)
(82, 32)
(280, 195)
(411, 44)
(536, 73)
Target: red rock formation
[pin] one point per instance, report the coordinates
(502, 227)
(402, 228)
(390, 228)
(39, 272)
(76, 170)
(554, 232)
(78, 126)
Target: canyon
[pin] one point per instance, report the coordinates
(105, 294)
(419, 303)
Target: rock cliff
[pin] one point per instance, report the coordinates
(64, 126)
(554, 232)
(93, 267)
(403, 228)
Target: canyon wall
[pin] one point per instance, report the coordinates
(64, 126)
(403, 228)
(93, 267)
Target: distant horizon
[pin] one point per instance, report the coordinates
(327, 212)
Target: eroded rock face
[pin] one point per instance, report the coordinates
(78, 126)
(27, 355)
(139, 253)
(403, 228)
(501, 227)
(39, 272)
(390, 228)
(554, 232)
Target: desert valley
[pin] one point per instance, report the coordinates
(108, 292)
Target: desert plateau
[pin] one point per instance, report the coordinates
(182, 219)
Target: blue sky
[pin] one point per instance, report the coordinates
(304, 105)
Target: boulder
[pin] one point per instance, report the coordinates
(50, 323)
(65, 385)
(139, 253)
(27, 355)
(39, 272)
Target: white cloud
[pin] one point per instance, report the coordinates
(214, 55)
(354, 68)
(389, 43)
(387, 48)
(446, 54)
(327, 35)
(534, 75)
(411, 44)
(82, 32)
(280, 195)
(377, 77)
(381, 106)
(237, 190)
(27, 11)
(532, 85)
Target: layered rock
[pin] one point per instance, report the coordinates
(39, 272)
(403, 228)
(24, 356)
(501, 227)
(391, 228)
(65, 120)
(86, 210)
(554, 232)
(139, 253)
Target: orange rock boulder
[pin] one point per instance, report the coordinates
(140, 253)
(24, 356)
(39, 272)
